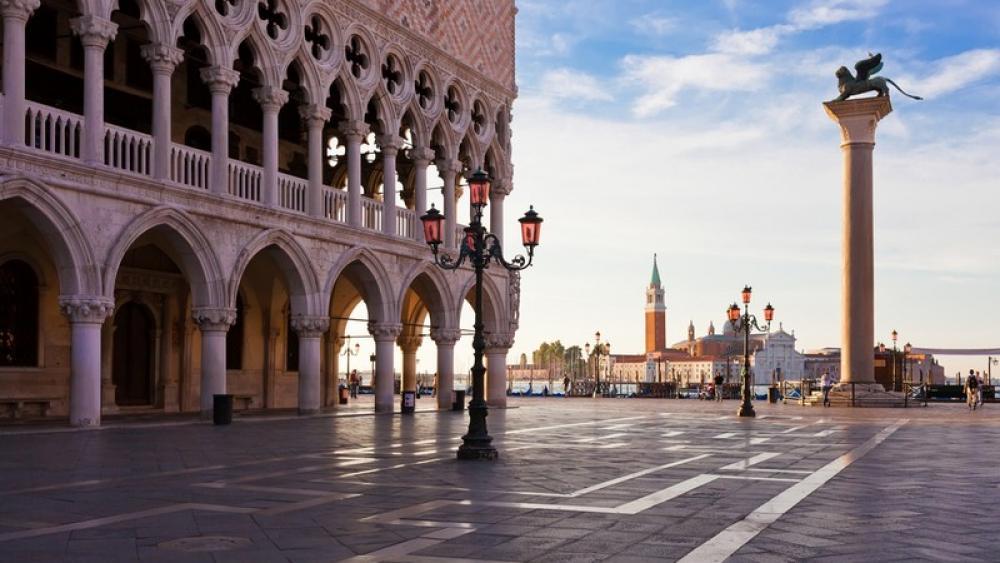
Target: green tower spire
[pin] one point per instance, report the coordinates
(655, 282)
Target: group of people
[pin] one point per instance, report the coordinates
(974, 390)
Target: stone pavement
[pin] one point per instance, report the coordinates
(578, 480)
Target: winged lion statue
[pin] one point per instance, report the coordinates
(865, 81)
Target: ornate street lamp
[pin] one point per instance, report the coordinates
(744, 322)
(348, 353)
(480, 248)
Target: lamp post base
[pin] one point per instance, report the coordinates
(746, 409)
(477, 448)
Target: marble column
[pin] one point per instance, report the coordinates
(497, 196)
(95, 33)
(214, 323)
(354, 133)
(315, 117)
(497, 346)
(385, 335)
(857, 120)
(86, 315)
(163, 59)
(445, 339)
(449, 170)
(421, 157)
(310, 331)
(270, 99)
(409, 345)
(220, 81)
(15, 18)
(389, 145)
(108, 403)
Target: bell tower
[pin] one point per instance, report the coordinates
(656, 314)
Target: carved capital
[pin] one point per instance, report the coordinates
(384, 331)
(314, 114)
(409, 344)
(214, 319)
(499, 341)
(390, 144)
(18, 9)
(86, 309)
(310, 327)
(445, 336)
(421, 156)
(94, 31)
(449, 165)
(353, 130)
(162, 58)
(270, 98)
(857, 118)
(219, 79)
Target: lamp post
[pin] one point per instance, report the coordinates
(348, 352)
(990, 362)
(601, 350)
(371, 359)
(480, 248)
(743, 321)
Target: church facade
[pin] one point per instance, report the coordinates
(196, 195)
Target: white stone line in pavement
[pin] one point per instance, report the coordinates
(662, 496)
(745, 463)
(308, 503)
(672, 433)
(573, 424)
(631, 476)
(759, 440)
(390, 467)
(755, 478)
(618, 426)
(95, 522)
(795, 471)
(725, 436)
(728, 541)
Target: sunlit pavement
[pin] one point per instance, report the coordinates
(577, 480)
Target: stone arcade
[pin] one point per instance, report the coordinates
(195, 195)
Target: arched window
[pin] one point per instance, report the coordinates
(234, 338)
(18, 314)
(291, 344)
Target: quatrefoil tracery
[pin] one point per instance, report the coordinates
(478, 117)
(356, 57)
(424, 90)
(319, 42)
(392, 75)
(274, 19)
(225, 7)
(453, 105)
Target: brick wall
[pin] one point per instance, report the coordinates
(480, 33)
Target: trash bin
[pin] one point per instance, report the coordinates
(772, 394)
(222, 409)
(344, 394)
(409, 402)
(459, 403)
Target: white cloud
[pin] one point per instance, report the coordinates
(753, 42)
(567, 84)
(821, 13)
(664, 77)
(953, 73)
(651, 24)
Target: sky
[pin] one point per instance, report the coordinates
(695, 130)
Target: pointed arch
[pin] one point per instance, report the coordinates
(412, 116)
(309, 80)
(387, 118)
(350, 97)
(212, 34)
(443, 141)
(193, 249)
(374, 279)
(294, 263)
(493, 303)
(78, 271)
(435, 293)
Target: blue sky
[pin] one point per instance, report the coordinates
(695, 130)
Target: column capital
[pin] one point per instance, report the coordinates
(219, 79)
(498, 190)
(390, 144)
(94, 31)
(314, 114)
(499, 341)
(857, 118)
(86, 309)
(446, 165)
(421, 156)
(162, 58)
(310, 326)
(270, 98)
(353, 129)
(384, 331)
(214, 319)
(445, 336)
(18, 9)
(409, 343)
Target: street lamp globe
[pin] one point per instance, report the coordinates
(746, 294)
(895, 335)
(734, 313)
(433, 221)
(907, 348)
(881, 347)
(479, 188)
(769, 313)
(531, 228)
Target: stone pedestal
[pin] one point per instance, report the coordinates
(857, 120)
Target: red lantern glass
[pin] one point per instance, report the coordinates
(433, 221)
(746, 294)
(881, 347)
(531, 227)
(769, 313)
(895, 335)
(470, 238)
(479, 188)
(734, 312)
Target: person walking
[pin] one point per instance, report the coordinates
(566, 386)
(826, 382)
(353, 383)
(718, 387)
(972, 390)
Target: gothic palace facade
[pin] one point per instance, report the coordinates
(193, 200)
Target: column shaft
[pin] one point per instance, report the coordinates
(496, 212)
(163, 59)
(315, 118)
(421, 160)
(309, 379)
(15, 18)
(220, 82)
(95, 33)
(389, 152)
(448, 174)
(496, 378)
(445, 340)
(213, 367)
(385, 374)
(269, 157)
(354, 132)
(85, 374)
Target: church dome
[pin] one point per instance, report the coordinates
(727, 329)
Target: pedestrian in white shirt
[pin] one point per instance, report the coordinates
(826, 382)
